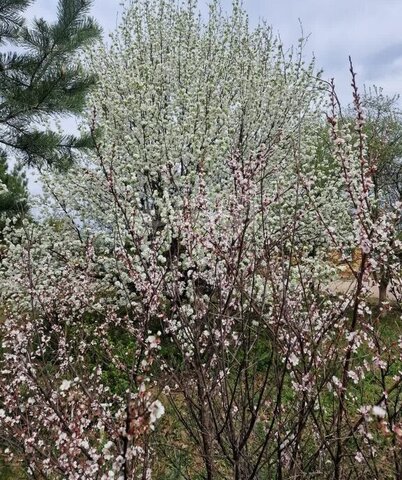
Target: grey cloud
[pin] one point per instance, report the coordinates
(385, 61)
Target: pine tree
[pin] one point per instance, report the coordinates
(42, 80)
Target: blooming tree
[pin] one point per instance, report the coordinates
(164, 318)
(383, 131)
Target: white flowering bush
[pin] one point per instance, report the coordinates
(165, 318)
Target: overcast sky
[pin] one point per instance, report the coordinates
(368, 30)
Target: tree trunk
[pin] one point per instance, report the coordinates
(206, 430)
(382, 289)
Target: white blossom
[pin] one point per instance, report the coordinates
(378, 411)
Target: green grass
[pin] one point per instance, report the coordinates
(8, 472)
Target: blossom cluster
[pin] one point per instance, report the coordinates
(174, 297)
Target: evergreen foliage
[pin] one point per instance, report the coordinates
(42, 80)
(10, 18)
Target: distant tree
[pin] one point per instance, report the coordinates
(42, 80)
(383, 130)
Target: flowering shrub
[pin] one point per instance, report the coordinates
(165, 317)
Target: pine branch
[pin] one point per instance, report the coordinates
(45, 81)
(11, 19)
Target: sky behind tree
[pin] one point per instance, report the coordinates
(368, 30)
